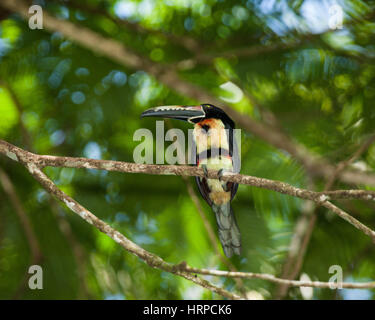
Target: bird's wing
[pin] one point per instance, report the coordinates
(203, 189)
(232, 186)
(234, 153)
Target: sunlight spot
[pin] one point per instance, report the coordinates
(92, 151)
(236, 92)
(306, 292)
(125, 9)
(57, 138)
(78, 97)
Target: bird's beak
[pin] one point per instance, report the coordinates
(191, 114)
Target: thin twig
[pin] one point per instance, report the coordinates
(272, 278)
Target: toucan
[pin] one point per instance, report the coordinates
(213, 135)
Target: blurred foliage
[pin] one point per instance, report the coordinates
(75, 103)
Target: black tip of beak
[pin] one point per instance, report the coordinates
(148, 113)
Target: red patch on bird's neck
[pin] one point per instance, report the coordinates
(207, 122)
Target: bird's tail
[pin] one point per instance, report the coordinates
(229, 233)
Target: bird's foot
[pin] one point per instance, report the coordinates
(220, 174)
(205, 170)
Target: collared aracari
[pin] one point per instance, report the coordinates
(216, 153)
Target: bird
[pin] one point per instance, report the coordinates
(214, 149)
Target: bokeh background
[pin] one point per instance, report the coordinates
(277, 62)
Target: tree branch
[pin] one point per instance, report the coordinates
(272, 278)
(31, 162)
(284, 45)
(306, 224)
(16, 154)
(117, 52)
(321, 198)
(148, 257)
(188, 43)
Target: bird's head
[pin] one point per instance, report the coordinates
(192, 114)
